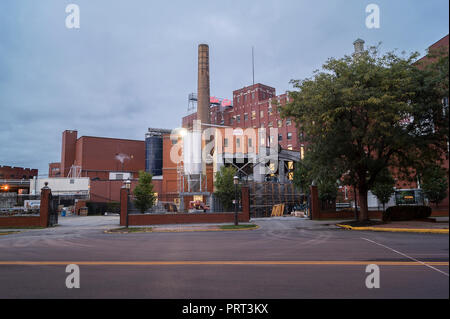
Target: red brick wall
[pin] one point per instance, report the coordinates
(109, 191)
(99, 156)
(20, 221)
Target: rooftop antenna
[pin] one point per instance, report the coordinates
(253, 66)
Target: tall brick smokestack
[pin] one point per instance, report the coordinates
(203, 100)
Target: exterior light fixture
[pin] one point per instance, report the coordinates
(128, 183)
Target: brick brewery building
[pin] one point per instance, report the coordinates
(8, 172)
(106, 161)
(109, 161)
(255, 106)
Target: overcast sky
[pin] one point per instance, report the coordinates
(132, 64)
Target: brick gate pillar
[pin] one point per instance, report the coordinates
(45, 205)
(123, 206)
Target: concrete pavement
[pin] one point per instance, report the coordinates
(412, 265)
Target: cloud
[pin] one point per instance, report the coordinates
(132, 64)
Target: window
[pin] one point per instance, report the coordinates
(238, 119)
(279, 109)
(270, 124)
(249, 142)
(288, 122)
(270, 110)
(261, 114)
(280, 137)
(302, 152)
(238, 143)
(225, 142)
(271, 139)
(253, 115)
(280, 123)
(289, 136)
(245, 116)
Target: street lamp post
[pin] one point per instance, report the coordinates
(127, 186)
(235, 181)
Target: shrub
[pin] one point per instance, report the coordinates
(224, 186)
(401, 213)
(143, 192)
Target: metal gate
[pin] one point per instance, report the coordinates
(264, 195)
(52, 211)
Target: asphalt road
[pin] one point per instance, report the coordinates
(286, 257)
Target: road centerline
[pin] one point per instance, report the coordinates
(219, 262)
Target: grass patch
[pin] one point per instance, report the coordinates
(124, 230)
(230, 227)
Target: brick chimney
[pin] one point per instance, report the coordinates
(69, 140)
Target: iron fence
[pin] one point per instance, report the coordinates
(13, 204)
(264, 195)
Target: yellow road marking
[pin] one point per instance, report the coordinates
(232, 262)
(399, 230)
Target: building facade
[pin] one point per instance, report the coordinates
(255, 106)
(9, 172)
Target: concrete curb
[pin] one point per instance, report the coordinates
(177, 231)
(4, 233)
(397, 230)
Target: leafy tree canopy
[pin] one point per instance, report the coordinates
(366, 112)
(435, 183)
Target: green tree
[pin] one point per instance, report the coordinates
(224, 186)
(302, 179)
(366, 112)
(435, 184)
(328, 189)
(383, 188)
(143, 192)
